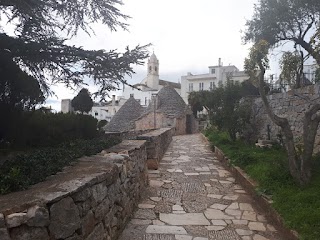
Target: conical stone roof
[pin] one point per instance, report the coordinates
(124, 119)
(170, 103)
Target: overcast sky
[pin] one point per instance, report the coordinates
(187, 36)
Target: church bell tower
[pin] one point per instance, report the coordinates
(153, 72)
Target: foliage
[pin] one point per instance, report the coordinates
(17, 89)
(291, 65)
(270, 169)
(39, 129)
(224, 108)
(286, 20)
(82, 102)
(300, 162)
(27, 169)
(101, 124)
(194, 100)
(38, 45)
(317, 75)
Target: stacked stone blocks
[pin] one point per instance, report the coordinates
(91, 200)
(292, 105)
(157, 144)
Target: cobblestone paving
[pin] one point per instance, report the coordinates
(193, 197)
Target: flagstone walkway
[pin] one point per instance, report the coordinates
(193, 197)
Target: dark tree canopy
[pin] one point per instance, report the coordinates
(18, 90)
(82, 102)
(223, 106)
(39, 50)
(194, 100)
(287, 20)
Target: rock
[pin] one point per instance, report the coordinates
(184, 219)
(82, 195)
(219, 206)
(99, 192)
(97, 234)
(243, 232)
(166, 230)
(102, 209)
(34, 233)
(38, 217)
(216, 214)
(4, 235)
(88, 223)
(183, 237)
(64, 218)
(74, 237)
(16, 219)
(246, 207)
(145, 214)
(146, 206)
(248, 215)
(2, 221)
(257, 226)
(140, 222)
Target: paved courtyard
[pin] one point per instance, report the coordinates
(193, 197)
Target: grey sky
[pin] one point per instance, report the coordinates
(187, 36)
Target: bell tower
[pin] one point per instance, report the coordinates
(153, 72)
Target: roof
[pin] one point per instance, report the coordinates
(169, 102)
(124, 119)
(172, 84)
(153, 58)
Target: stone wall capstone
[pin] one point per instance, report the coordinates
(292, 105)
(91, 200)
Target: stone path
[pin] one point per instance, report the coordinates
(193, 197)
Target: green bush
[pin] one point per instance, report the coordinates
(39, 129)
(30, 168)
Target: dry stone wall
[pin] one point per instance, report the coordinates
(91, 200)
(157, 144)
(292, 105)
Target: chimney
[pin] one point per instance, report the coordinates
(219, 62)
(113, 100)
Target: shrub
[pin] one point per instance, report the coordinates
(30, 168)
(38, 129)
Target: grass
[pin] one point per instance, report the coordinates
(299, 207)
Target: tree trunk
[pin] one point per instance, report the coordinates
(307, 46)
(283, 123)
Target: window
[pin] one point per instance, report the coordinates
(212, 85)
(213, 71)
(201, 86)
(150, 69)
(145, 100)
(156, 69)
(190, 87)
(96, 113)
(131, 94)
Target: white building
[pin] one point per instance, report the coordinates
(100, 111)
(150, 85)
(208, 81)
(309, 71)
(105, 111)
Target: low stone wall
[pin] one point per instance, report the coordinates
(157, 144)
(128, 135)
(91, 200)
